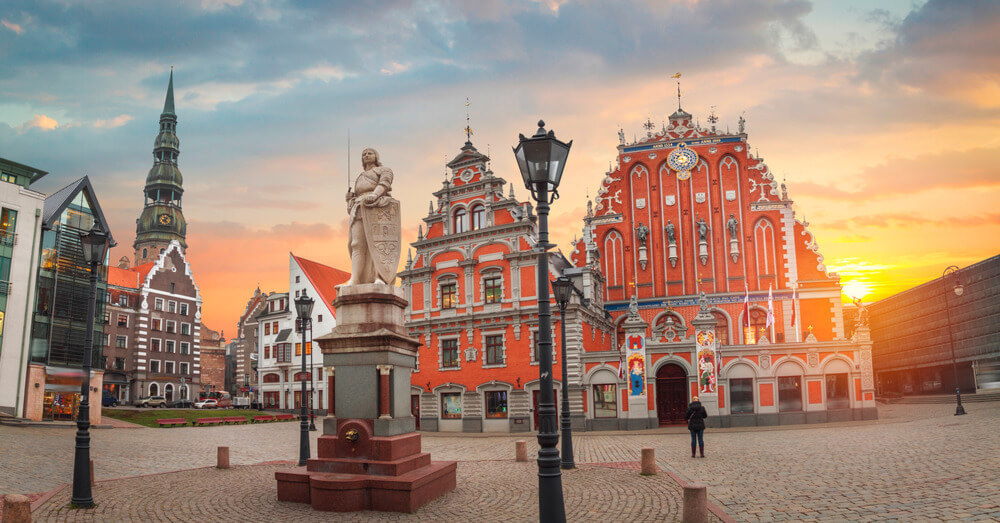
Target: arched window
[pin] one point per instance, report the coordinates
(620, 332)
(271, 378)
(168, 392)
(763, 237)
(154, 389)
(614, 257)
(459, 223)
(478, 217)
(145, 253)
(721, 328)
(298, 376)
(753, 328)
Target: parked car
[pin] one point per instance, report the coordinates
(207, 404)
(241, 402)
(152, 401)
(108, 400)
(181, 404)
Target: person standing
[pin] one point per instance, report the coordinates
(695, 417)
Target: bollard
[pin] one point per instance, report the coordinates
(695, 504)
(16, 509)
(521, 448)
(222, 461)
(92, 482)
(648, 462)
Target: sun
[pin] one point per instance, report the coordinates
(856, 289)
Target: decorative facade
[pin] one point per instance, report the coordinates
(244, 354)
(684, 230)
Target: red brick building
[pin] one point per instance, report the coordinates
(688, 222)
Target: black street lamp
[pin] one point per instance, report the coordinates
(563, 289)
(303, 307)
(541, 160)
(958, 289)
(312, 385)
(94, 245)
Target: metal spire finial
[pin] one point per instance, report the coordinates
(468, 126)
(677, 76)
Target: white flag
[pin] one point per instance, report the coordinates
(770, 308)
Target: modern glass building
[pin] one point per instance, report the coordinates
(58, 328)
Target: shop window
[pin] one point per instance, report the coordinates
(741, 395)
(836, 391)
(449, 292)
(121, 342)
(606, 401)
(496, 404)
(789, 393)
(271, 400)
(493, 288)
(451, 405)
(478, 217)
(449, 354)
(494, 349)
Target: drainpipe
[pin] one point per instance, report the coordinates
(27, 310)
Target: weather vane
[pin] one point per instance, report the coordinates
(468, 127)
(712, 118)
(677, 76)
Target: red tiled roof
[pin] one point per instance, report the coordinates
(131, 277)
(324, 279)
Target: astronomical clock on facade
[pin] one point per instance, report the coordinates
(701, 281)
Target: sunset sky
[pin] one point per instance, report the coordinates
(882, 116)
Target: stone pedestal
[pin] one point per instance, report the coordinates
(369, 457)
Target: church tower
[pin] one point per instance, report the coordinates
(162, 220)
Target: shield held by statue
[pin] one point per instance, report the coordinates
(382, 229)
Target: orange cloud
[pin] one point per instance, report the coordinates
(12, 26)
(42, 122)
(117, 121)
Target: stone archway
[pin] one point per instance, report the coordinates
(671, 394)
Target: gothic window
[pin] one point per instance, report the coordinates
(721, 328)
(478, 217)
(459, 223)
(639, 170)
(763, 237)
(614, 267)
(753, 328)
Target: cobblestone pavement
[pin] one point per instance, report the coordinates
(916, 462)
(487, 491)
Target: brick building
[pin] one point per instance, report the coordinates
(213, 360)
(244, 352)
(688, 225)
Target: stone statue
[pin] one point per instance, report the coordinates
(671, 233)
(642, 232)
(862, 320)
(621, 136)
(784, 192)
(375, 234)
(733, 227)
(702, 230)
(633, 306)
(741, 124)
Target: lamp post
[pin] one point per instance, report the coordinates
(303, 307)
(541, 159)
(949, 273)
(94, 245)
(563, 289)
(312, 382)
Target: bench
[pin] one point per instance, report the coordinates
(257, 419)
(285, 417)
(208, 421)
(234, 419)
(172, 422)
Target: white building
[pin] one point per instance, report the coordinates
(20, 234)
(280, 351)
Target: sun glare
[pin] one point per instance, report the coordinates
(856, 289)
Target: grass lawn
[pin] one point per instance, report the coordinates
(148, 417)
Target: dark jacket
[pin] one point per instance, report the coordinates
(695, 416)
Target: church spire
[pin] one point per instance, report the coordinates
(168, 104)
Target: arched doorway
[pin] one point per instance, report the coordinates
(168, 392)
(671, 394)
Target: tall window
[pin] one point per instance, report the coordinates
(170, 367)
(156, 324)
(158, 304)
(449, 293)
(451, 405)
(119, 363)
(614, 266)
(171, 326)
(460, 215)
(184, 309)
(496, 404)
(171, 306)
(154, 345)
(721, 328)
(267, 329)
(836, 391)
(763, 237)
(449, 354)
(741, 395)
(478, 217)
(121, 342)
(754, 326)
(170, 346)
(154, 366)
(789, 393)
(606, 401)
(494, 349)
(493, 289)
(185, 347)
(186, 329)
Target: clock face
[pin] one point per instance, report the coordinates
(165, 219)
(682, 159)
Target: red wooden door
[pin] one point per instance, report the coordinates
(671, 394)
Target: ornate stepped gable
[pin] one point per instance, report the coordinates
(688, 209)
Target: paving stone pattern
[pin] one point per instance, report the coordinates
(917, 462)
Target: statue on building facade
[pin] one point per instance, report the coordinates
(702, 230)
(641, 233)
(671, 233)
(733, 227)
(375, 233)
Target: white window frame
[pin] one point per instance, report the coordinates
(157, 370)
(169, 367)
(458, 346)
(118, 320)
(159, 341)
(182, 309)
(449, 279)
(119, 336)
(489, 273)
(185, 368)
(172, 307)
(167, 343)
(158, 304)
(503, 344)
(184, 348)
(122, 300)
(167, 327)
(186, 327)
